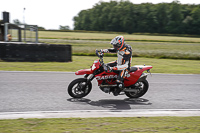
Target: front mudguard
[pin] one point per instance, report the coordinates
(84, 71)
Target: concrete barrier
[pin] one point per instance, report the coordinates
(35, 52)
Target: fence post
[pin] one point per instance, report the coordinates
(19, 35)
(5, 32)
(36, 34)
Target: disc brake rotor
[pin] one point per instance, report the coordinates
(80, 88)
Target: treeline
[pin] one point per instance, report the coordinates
(125, 16)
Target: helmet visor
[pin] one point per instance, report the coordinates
(116, 47)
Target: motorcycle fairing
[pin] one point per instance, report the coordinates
(134, 76)
(108, 77)
(129, 79)
(94, 67)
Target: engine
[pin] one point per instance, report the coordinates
(105, 89)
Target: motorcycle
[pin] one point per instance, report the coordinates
(135, 82)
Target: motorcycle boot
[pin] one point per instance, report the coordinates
(120, 87)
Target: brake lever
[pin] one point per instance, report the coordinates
(97, 52)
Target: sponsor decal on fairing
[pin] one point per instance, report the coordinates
(106, 77)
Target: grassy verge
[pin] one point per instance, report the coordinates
(150, 50)
(140, 49)
(103, 125)
(83, 62)
(108, 37)
(163, 47)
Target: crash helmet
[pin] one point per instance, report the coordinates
(117, 42)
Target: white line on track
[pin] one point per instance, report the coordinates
(101, 113)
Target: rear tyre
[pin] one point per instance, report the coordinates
(141, 89)
(79, 88)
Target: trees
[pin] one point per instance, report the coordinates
(64, 27)
(175, 18)
(195, 20)
(17, 22)
(162, 17)
(124, 16)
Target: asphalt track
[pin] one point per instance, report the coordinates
(43, 95)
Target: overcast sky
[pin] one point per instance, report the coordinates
(52, 13)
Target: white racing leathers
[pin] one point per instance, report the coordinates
(123, 62)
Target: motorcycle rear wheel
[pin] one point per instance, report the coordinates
(79, 88)
(141, 90)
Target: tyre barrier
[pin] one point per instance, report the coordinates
(35, 52)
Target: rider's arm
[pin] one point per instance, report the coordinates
(111, 50)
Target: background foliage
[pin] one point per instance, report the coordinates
(125, 16)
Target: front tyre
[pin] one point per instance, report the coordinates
(140, 89)
(79, 88)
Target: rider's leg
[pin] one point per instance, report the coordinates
(120, 79)
(120, 82)
(112, 64)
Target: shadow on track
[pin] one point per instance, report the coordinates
(112, 104)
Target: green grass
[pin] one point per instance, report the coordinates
(155, 50)
(103, 125)
(143, 45)
(140, 49)
(83, 62)
(108, 37)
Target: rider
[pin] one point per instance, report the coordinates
(122, 65)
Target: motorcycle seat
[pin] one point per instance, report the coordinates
(133, 69)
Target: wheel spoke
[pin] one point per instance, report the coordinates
(79, 88)
(140, 89)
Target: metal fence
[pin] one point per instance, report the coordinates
(24, 33)
(30, 33)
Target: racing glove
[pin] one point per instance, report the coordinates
(113, 68)
(104, 50)
(110, 69)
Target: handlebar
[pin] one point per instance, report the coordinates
(99, 55)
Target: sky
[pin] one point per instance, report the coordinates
(52, 13)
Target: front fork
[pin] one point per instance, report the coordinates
(91, 77)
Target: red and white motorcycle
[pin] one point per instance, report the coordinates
(135, 83)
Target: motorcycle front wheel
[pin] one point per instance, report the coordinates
(140, 89)
(79, 88)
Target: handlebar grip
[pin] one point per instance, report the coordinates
(97, 52)
(99, 55)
